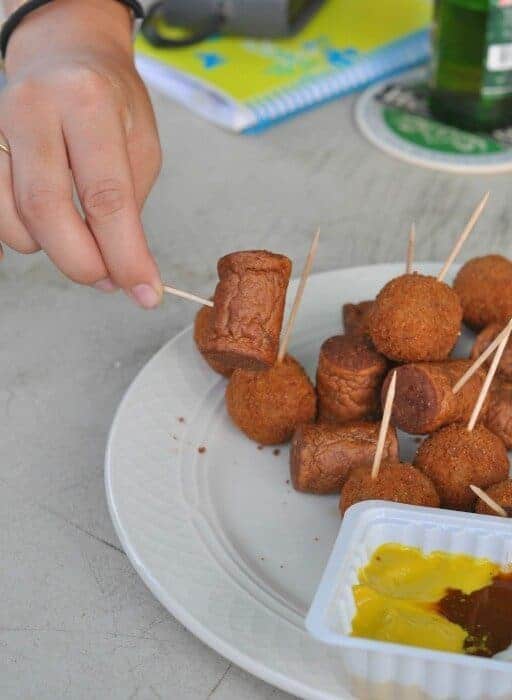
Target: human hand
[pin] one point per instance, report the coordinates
(76, 111)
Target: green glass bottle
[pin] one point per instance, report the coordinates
(471, 80)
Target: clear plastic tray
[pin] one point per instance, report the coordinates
(385, 671)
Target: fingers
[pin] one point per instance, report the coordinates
(43, 192)
(12, 230)
(101, 168)
(144, 150)
(145, 162)
(36, 185)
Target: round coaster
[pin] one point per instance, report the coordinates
(394, 116)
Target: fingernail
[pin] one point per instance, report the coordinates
(146, 296)
(105, 285)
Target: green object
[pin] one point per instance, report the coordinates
(472, 63)
(395, 116)
(440, 138)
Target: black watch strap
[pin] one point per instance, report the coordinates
(18, 15)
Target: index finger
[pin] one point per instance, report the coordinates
(101, 168)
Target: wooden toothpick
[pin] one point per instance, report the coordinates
(462, 238)
(490, 501)
(490, 376)
(384, 426)
(483, 357)
(187, 295)
(410, 249)
(298, 298)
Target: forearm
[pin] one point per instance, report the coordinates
(61, 25)
(11, 5)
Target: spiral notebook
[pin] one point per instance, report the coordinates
(247, 84)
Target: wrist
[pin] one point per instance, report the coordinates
(62, 26)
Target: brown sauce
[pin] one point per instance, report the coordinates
(485, 614)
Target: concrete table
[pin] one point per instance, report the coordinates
(75, 620)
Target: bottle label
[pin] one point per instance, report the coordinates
(497, 78)
(499, 57)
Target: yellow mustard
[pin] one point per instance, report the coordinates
(397, 590)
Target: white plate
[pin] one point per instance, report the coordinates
(221, 538)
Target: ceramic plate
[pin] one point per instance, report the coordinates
(211, 523)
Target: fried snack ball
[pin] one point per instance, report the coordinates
(399, 482)
(202, 328)
(482, 342)
(502, 494)
(498, 417)
(415, 318)
(454, 458)
(484, 286)
(268, 405)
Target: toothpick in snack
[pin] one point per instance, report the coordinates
(298, 297)
(489, 501)
(483, 357)
(186, 295)
(384, 426)
(410, 249)
(462, 238)
(488, 380)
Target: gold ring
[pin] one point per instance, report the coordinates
(5, 148)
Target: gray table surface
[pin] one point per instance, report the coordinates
(75, 620)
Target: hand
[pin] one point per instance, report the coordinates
(76, 111)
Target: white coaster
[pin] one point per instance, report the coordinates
(394, 116)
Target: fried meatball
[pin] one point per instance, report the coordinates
(454, 458)
(268, 405)
(502, 494)
(248, 309)
(349, 378)
(202, 327)
(424, 399)
(499, 414)
(355, 318)
(415, 318)
(482, 342)
(484, 286)
(323, 454)
(396, 481)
